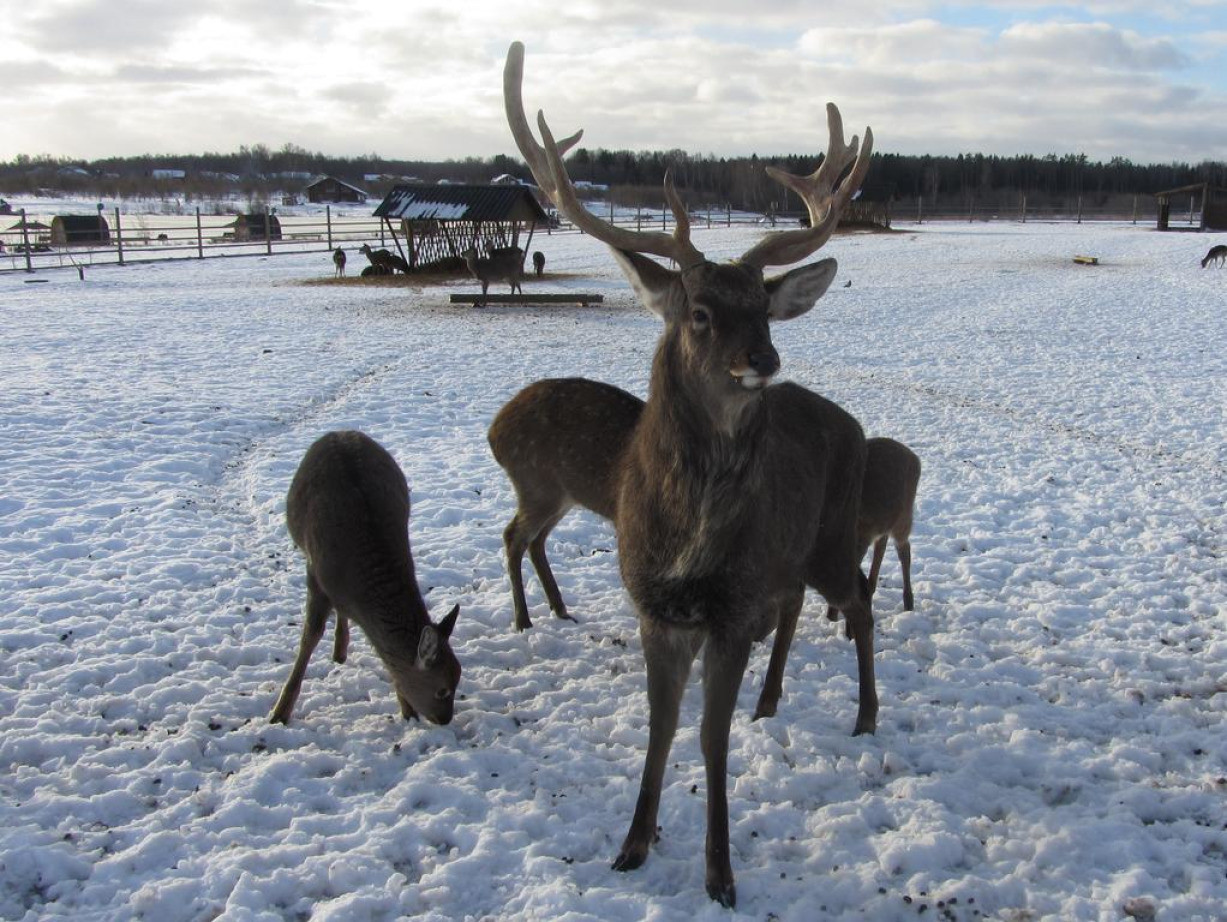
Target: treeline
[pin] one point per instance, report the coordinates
(634, 178)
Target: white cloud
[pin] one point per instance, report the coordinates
(423, 79)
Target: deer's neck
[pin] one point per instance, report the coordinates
(699, 464)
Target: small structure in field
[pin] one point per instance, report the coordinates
(1205, 197)
(438, 223)
(74, 230)
(330, 189)
(5, 207)
(259, 226)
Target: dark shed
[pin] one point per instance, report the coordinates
(252, 227)
(69, 230)
(1212, 200)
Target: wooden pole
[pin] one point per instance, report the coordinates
(328, 222)
(268, 233)
(25, 241)
(119, 238)
(1080, 209)
(199, 235)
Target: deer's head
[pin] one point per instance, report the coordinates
(428, 683)
(716, 315)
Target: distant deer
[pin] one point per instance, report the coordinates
(503, 263)
(338, 260)
(348, 512)
(384, 262)
(733, 494)
(539, 263)
(1216, 254)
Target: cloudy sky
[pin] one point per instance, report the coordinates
(422, 80)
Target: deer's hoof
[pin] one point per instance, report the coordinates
(723, 892)
(631, 857)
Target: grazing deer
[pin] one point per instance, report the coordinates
(503, 263)
(1217, 253)
(733, 494)
(561, 443)
(338, 260)
(384, 262)
(888, 501)
(539, 263)
(348, 512)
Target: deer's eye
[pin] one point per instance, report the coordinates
(700, 316)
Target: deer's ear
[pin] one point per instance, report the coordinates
(652, 281)
(795, 292)
(428, 647)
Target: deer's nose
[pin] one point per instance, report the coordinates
(764, 363)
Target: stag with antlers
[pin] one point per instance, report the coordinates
(734, 493)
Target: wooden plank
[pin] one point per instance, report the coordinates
(1087, 260)
(584, 299)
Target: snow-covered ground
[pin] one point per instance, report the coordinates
(1051, 742)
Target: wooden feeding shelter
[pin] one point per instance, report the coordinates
(248, 227)
(330, 189)
(69, 230)
(438, 223)
(1213, 202)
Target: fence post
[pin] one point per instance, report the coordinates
(971, 210)
(328, 220)
(1024, 209)
(663, 226)
(920, 210)
(268, 234)
(1080, 209)
(199, 236)
(1135, 209)
(119, 237)
(638, 218)
(25, 241)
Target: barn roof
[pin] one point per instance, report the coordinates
(316, 180)
(421, 202)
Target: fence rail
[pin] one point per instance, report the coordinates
(155, 238)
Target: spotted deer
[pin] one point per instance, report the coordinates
(734, 493)
(348, 512)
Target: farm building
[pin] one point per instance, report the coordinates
(330, 189)
(80, 230)
(438, 223)
(259, 226)
(1210, 200)
(5, 207)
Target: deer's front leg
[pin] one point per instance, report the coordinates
(789, 609)
(724, 663)
(668, 653)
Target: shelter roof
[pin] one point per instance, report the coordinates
(422, 202)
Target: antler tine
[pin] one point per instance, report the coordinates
(545, 162)
(824, 202)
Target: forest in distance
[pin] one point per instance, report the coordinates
(632, 178)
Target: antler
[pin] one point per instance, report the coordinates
(818, 191)
(548, 170)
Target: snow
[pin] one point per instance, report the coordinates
(1051, 740)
